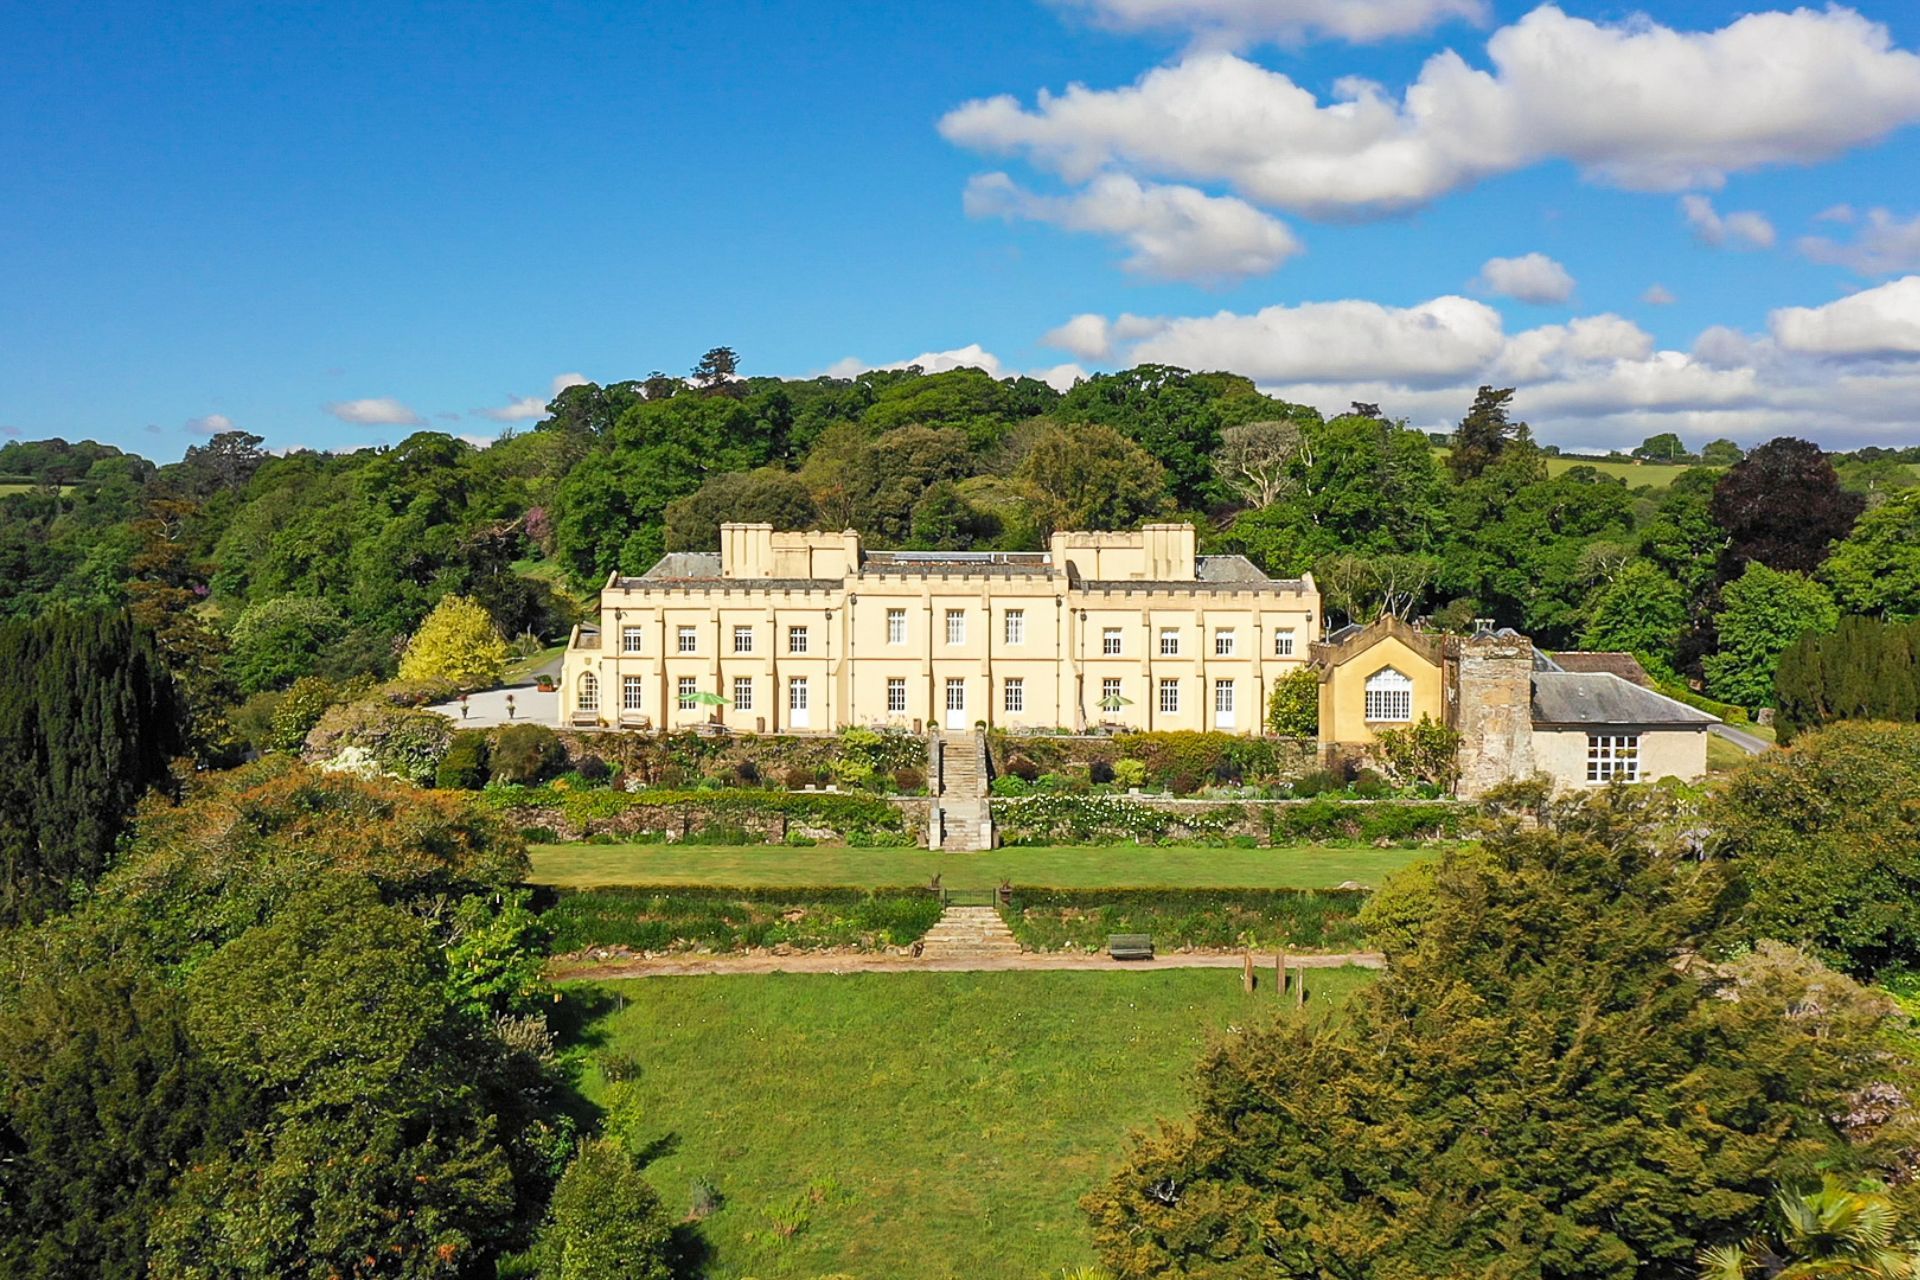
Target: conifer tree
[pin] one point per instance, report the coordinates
(89, 720)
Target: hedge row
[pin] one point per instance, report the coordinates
(723, 919)
(1096, 819)
(839, 810)
(1300, 919)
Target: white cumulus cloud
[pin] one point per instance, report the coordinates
(375, 411)
(1658, 295)
(1872, 323)
(211, 424)
(1744, 230)
(1435, 342)
(1092, 337)
(529, 408)
(1883, 246)
(1852, 366)
(1533, 277)
(1633, 104)
(1175, 232)
(1245, 22)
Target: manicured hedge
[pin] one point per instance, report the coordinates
(722, 919)
(1096, 819)
(841, 811)
(1303, 919)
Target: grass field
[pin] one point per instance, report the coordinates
(1655, 474)
(888, 1125)
(1107, 867)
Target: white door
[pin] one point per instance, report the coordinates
(956, 703)
(797, 715)
(1223, 704)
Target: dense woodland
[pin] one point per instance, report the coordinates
(255, 570)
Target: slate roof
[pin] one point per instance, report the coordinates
(685, 564)
(1624, 665)
(1602, 698)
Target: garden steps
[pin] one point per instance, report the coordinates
(969, 933)
(961, 816)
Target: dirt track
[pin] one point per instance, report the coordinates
(684, 966)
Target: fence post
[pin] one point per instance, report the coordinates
(1247, 978)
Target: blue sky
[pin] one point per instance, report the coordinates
(246, 214)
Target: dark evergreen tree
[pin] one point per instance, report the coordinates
(89, 720)
(1864, 669)
(1485, 434)
(1547, 1080)
(103, 1100)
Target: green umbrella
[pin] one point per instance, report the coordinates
(1113, 702)
(706, 699)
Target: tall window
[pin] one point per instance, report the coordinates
(588, 696)
(1110, 641)
(630, 639)
(1169, 696)
(1283, 642)
(686, 689)
(896, 626)
(797, 694)
(1223, 643)
(689, 639)
(1016, 626)
(1613, 757)
(956, 626)
(631, 694)
(743, 639)
(1389, 697)
(796, 639)
(1015, 694)
(897, 694)
(743, 693)
(1169, 642)
(1109, 689)
(1223, 698)
(956, 693)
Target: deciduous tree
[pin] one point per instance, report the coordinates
(457, 642)
(1762, 612)
(1783, 506)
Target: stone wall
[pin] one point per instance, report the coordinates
(1493, 710)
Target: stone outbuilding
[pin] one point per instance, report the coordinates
(1582, 719)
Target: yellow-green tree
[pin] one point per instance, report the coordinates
(457, 642)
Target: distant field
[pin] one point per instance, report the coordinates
(1656, 475)
(941, 1126)
(6, 489)
(1058, 867)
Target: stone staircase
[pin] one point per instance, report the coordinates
(961, 818)
(969, 933)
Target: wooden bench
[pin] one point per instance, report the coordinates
(1130, 946)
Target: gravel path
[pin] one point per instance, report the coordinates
(685, 966)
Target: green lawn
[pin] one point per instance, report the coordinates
(1658, 475)
(1106, 867)
(925, 1124)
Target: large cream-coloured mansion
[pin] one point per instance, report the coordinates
(811, 633)
(799, 632)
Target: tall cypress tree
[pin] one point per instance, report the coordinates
(89, 720)
(1864, 669)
